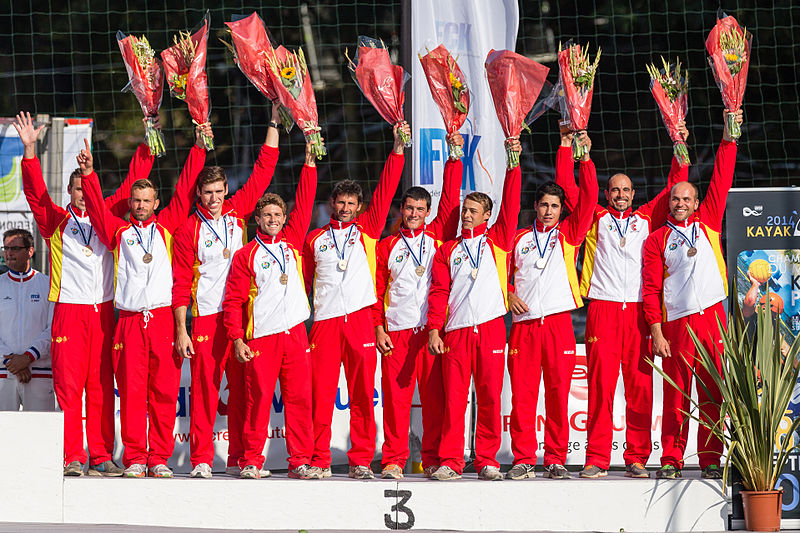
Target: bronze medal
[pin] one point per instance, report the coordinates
(226, 253)
(147, 258)
(87, 251)
(691, 252)
(284, 278)
(622, 242)
(420, 270)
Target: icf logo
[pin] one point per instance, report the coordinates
(580, 381)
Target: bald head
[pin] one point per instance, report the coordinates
(619, 192)
(684, 199)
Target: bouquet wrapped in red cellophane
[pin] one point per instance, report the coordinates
(251, 41)
(577, 73)
(289, 73)
(381, 82)
(670, 89)
(729, 47)
(448, 89)
(146, 82)
(515, 83)
(185, 69)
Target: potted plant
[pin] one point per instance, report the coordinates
(759, 374)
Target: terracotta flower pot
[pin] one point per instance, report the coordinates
(762, 509)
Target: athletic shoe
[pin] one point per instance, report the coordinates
(392, 471)
(712, 472)
(105, 469)
(203, 470)
(636, 470)
(521, 471)
(360, 472)
(264, 472)
(322, 473)
(429, 470)
(136, 470)
(593, 472)
(668, 472)
(304, 472)
(250, 472)
(556, 471)
(74, 469)
(233, 470)
(490, 473)
(161, 471)
(445, 473)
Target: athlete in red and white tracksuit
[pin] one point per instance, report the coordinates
(268, 311)
(684, 284)
(616, 332)
(343, 330)
(471, 309)
(82, 287)
(542, 341)
(146, 367)
(402, 283)
(200, 269)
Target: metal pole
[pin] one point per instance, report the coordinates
(406, 57)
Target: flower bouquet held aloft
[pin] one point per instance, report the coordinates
(515, 83)
(670, 89)
(292, 83)
(146, 82)
(250, 44)
(185, 69)
(729, 47)
(448, 89)
(381, 82)
(577, 73)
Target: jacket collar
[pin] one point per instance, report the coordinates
(411, 233)
(78, 212)
(477, 231)
(621, 215)
(541, 228)
(685, 224)
(20, 276)
(145, 223)
(335, 224)
(269, 239)
(207, 214)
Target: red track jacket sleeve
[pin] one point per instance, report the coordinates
(381, 279)
(445, 225)
(104, 222)
(237, 290)
(653, 276)
(565, 176)
(139, 168)
(578, 222)
(505, 227)
(712, 208)
(373, 219)
(244, 201)
(440, 287)
(184, 255)
(46, 213)
(178, 209)
(658, 208)
(296, 228)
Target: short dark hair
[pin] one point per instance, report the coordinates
(144, 183)
(481, 198)
(27, 238)
(416, 193)
(348, 187)
(75, 174)
(550, 188)
(269, 198)
(211, 175)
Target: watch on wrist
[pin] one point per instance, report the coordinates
(273, 124)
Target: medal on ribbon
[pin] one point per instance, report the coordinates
(86, 248)
(420, 269)
(342, 264)
(284, 278)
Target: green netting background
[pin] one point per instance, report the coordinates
(62, 58)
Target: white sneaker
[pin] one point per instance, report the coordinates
(250, 472)
(445, 473)
(264, 472)
(161, 471)
(136, 470)
(233, 471)
(203, 470)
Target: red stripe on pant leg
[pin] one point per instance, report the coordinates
(525, 371)
(261, 374)
(162, 391)
(558, 362)
(431, 394)
(398, 377)
(456, 373)
(360, 361)
(326, 358)
(131, 371)
(295, 377)
(488, 376)
(605, 337)
(70, 363)
(674, 430)
(637, 375)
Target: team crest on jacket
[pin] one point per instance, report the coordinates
(525, 250)
(130, 242)
(74, 230)
(673, 245)
(265, 264)
(399, 258)
(209, 243)
(457, 261)
(35, 297)
(323, 247)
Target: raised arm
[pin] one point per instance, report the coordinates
(505, 227)
(140, 166)
(445, 225)
(658, 208)
(104, 223)
(712, 209)
(297, 225)
(178, 209)
(578, 222)
(565, 169)
(373, 219)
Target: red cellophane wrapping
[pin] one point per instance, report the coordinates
(195, 89)
(250, 41)
(515, 82)
(731, 86)
(437, 72)
(147, 86)
(579, 102)
(381, 82)
(672, 112)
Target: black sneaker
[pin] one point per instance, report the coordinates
(521, 471)
(556, 471)
(668, 472)
(712, 472)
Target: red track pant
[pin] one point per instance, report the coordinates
(212, 357)
(148, 372)
(408, 363)
(348, 340)
(285, 355)
(82, 363)
(539, 348)
(614, 337)
(675, 426)
(476, 352)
